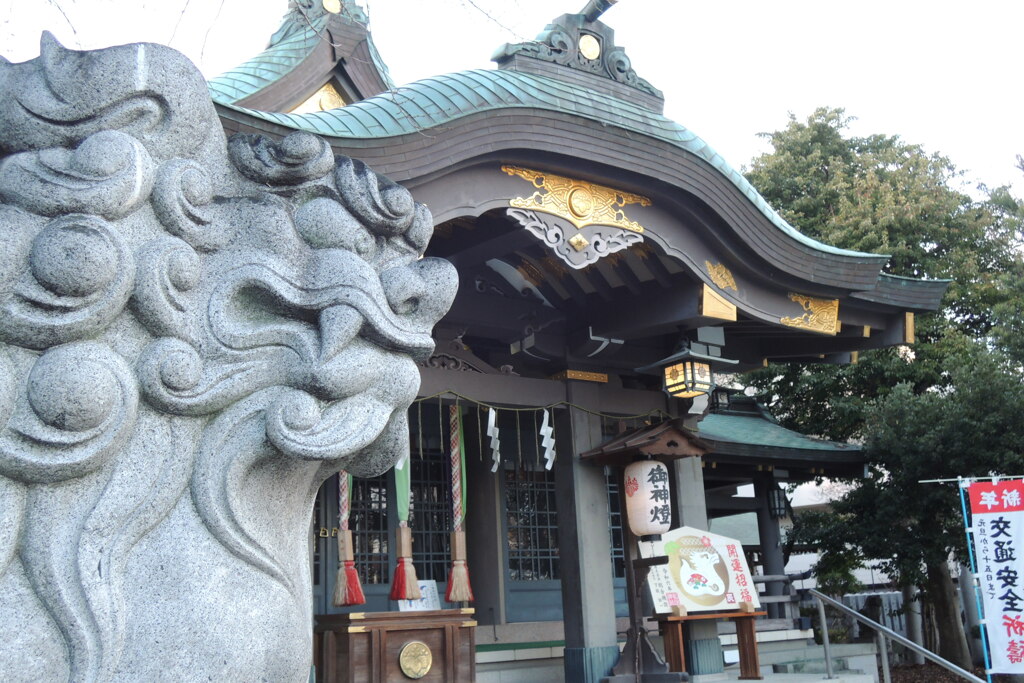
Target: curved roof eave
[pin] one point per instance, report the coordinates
(435, 101)
(906, 292)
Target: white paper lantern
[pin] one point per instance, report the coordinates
(648, 505)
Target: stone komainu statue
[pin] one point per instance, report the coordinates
(194, 334)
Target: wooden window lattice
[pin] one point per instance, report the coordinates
(431, 515)
(532, 524)
(368, 520)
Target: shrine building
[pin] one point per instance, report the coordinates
(598, 243)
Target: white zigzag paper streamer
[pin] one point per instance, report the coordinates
(547, 441)
(492, 432)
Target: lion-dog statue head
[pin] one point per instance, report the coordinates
(194, 334)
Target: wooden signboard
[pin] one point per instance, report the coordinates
(380, 647)
(704, 572)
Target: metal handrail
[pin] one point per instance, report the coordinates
(883, 633)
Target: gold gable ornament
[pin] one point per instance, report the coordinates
(577, 201)
(596, 225)
(820, 315)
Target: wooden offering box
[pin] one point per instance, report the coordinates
(391, 647)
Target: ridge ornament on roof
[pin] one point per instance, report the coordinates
(581, 42)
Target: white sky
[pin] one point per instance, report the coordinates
(945, 75)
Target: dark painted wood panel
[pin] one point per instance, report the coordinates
(534, 601)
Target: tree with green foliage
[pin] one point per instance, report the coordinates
(950, 406)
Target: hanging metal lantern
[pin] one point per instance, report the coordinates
(687, 373)
(648, 501)
(777, 503)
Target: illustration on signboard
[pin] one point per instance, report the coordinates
(698, 569)
(705, 571)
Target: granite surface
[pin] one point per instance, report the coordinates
(194, 334)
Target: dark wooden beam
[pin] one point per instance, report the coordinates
(629, 278)
(497, 317)
(658, 270)
(595, 278)
(494, 247)
(543, 284)
(732, 504)
(647, 316)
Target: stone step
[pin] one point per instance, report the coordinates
(844, 651)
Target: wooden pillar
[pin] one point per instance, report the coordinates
(773, 561)
(703, 648)
(484, 541)
(591, 648)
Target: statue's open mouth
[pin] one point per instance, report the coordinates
(293, 314)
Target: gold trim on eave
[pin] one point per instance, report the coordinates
(714, 305)
(820, 315)
(721, 276)
(577, 201)
(581, 376)
(908, 328)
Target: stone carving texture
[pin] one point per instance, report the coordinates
(194, 334)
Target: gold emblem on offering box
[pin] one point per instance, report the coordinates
(820, 315)
(721, 276)
(415, 659)
(577, 201)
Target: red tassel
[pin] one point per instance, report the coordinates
(459, 588)
(398, 582)
(405, 586)
(347, 588)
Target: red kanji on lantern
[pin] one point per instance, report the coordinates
(631, 486)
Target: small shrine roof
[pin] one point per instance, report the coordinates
(747, 423)
(665, 441)
(721, 430)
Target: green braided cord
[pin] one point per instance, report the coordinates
(403, 490)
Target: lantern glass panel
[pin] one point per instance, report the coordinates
(777, 503)
(688, 379)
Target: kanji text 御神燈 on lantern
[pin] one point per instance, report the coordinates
(648, 503)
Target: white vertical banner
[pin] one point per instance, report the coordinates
(997, 520)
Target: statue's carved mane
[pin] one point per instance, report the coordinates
(194, 334)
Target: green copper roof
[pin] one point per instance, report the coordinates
(299, 34)
(439, 100)
(757, 431)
